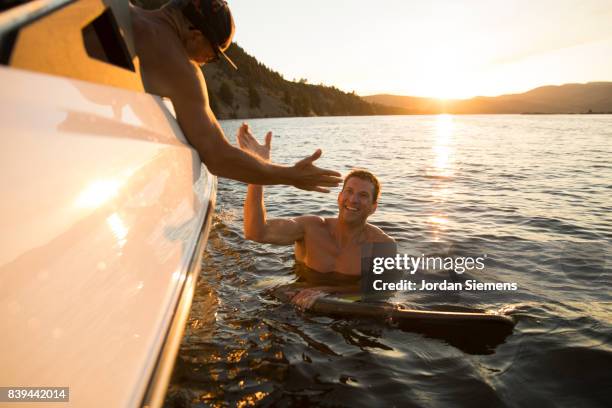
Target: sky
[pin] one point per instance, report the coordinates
(434, 48)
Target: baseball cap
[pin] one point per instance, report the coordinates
(214, 20)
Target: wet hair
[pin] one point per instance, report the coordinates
(366, 176)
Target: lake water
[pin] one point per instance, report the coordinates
(534, 193)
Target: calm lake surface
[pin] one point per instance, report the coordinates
(534, 193)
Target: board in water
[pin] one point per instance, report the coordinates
(472, 331)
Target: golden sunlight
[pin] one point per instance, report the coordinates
(441, 167)
(119, 229)
(97, 193)
(438, 220)
(442, 149)
(445, 75)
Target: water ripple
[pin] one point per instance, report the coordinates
(531, 192)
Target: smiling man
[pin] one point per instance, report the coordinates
(327, 246)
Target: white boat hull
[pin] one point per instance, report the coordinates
(104, 205)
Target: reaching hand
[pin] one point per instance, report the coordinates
(249, 143)
(312, 178)
(303, 175)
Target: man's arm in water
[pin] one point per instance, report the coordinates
(279, 231)
(185, 85)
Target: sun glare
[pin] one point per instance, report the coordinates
(444, 86)
(444, 74)
(118, 228)
(97, 193)
(442, 149)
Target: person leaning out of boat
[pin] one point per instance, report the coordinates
(172, 43)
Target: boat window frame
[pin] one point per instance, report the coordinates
(55, 30)
(19, 16)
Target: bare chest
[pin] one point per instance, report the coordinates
(321, 251)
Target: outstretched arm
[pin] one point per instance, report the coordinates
(256, 226)
(190, 98)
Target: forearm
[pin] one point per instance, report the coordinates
(254, 213)
(277, 231)
(225, 160)
(237, 164)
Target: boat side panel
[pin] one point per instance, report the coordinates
(102, 208)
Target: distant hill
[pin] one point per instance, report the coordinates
(592, 97)
(255, 91)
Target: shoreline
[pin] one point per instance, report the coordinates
(223, 117)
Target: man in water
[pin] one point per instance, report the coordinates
(329, 246)
(171, 44)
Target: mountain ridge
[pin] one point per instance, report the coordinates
(256, 91)
(590, 97)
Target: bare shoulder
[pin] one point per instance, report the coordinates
(375, 234)
(166, 68)
(179, 78)
(310, 221)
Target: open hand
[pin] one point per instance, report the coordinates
(304, 175)
(249, 143)
(312, 178)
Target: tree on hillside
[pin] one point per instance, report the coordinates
(254, 98)
(302, 105)
(287, 97)
(213, 102)
(226, 94)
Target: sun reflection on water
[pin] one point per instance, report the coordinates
(442, 148)
(441, 170)
(441, 193)
(438, 220)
